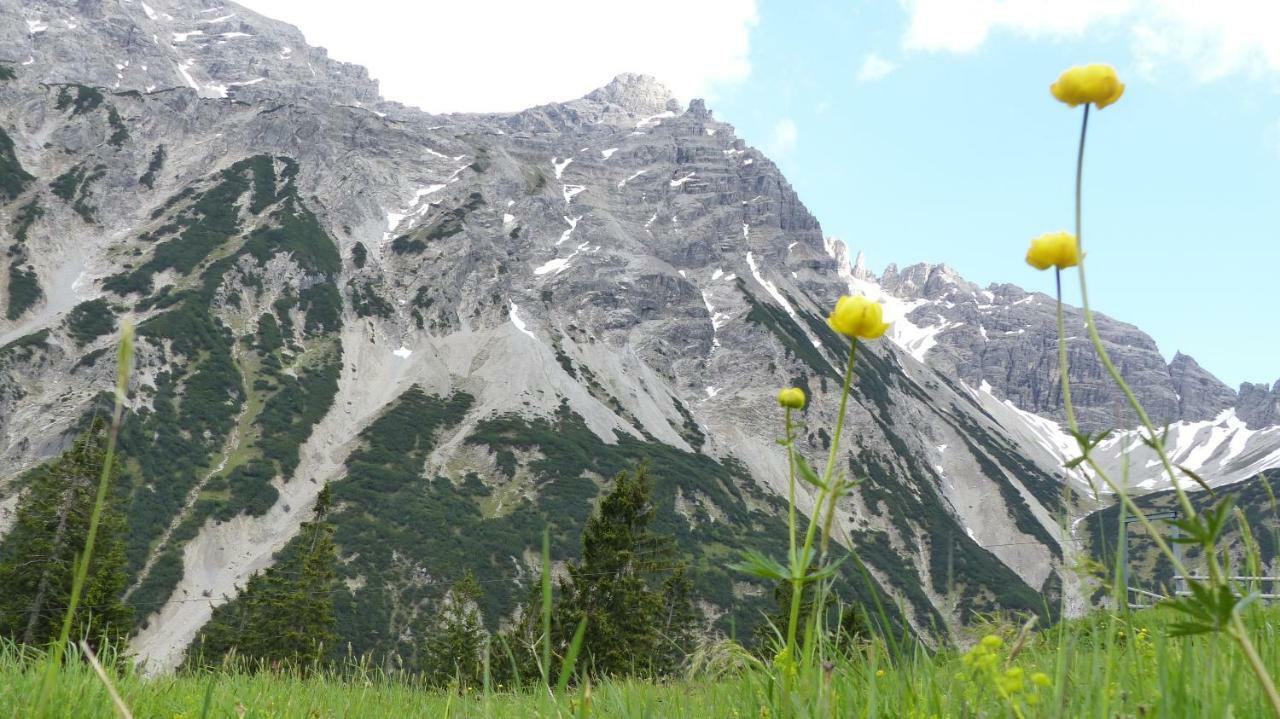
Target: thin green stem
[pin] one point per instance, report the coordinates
(1062, 357)
(791, 484)
(844, 401)
(1156, 443)
(800, 571)
(1236, 627)
(797, 572)
(1097, 344)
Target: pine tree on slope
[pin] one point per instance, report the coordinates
(629, 586)
(285, 616)
(453, 645)
(38, 556)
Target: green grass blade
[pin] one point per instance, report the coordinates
(571, 657)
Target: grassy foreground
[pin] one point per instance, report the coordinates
(1102, 666)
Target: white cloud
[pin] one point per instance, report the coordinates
(1213, 38)
(783, 139)
(964, 25)
(875, 68)
(502, 55)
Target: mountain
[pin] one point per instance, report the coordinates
(466, 324)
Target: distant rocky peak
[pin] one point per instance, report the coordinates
(838, 251)
(637, 94)
(924, 281)
(1200, 395)
(860, 270)
(219, 50)
(1258, 406)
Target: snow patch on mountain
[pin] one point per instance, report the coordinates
(519, 323)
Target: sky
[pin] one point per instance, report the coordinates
(923, 130)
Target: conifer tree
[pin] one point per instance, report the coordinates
(514, 655)
(454, 642)
(629, 586)
(38, 556)
(285, 616)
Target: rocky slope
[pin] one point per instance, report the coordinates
(467, 323)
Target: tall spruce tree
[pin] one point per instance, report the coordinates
(454, 642)
(285, 615)
(629, 586)
(38, 556)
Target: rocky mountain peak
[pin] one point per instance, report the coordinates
(1200, 395)
(923, 280)
(1258, 406)
(636, 93)
(219, 50)
(860, 270)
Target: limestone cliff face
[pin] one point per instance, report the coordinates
(1008, 337)
(1258, 406)
(466, 324)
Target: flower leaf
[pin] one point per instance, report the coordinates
(806, 473)
(757, 564)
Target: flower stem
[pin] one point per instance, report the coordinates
(1236, 626)
(800, 569)
(791, 483)
(1096, 339)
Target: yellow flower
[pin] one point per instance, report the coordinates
(785, 664)
(1084, 84)
(992, 642)
(1012, 681)
(858, 317)
(1054, 249)
(791, 397)
(1040, 679)
(879, 672)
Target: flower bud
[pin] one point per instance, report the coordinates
(1084, 84)
(791, 398)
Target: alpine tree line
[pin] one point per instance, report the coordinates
(629, 591)
(629, 585)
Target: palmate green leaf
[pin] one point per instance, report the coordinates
(827, 571)
(758, 564)
(1209, 608)
(1205, 528)
(1189, 629)
(1075, 462)
(806, 473)
(1087, 443)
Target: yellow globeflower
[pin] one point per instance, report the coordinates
(1084, 84)
(1054, 249)
(792, 398)
(858, 317)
